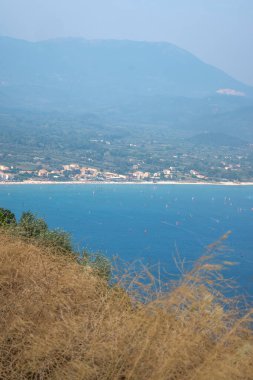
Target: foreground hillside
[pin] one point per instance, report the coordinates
(59, 320)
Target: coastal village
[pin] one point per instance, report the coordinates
(75, 173)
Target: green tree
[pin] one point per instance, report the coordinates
(7, 217)
(31, 226)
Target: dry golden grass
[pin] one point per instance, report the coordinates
(59, 321)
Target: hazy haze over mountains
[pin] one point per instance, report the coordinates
(122, 81)
(118, 105)
(78, 72)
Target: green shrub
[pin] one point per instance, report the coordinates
(7, 217)
(57, 239)
(99, 263)
(30, 226)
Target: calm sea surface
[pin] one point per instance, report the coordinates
(148, 222)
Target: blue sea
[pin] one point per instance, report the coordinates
(152, 223)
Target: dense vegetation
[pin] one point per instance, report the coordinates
(61, 320)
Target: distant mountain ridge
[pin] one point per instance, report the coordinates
(144, 85)
(78, 73)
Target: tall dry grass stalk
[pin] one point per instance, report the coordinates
(60, 321)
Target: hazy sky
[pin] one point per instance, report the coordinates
(218, 31)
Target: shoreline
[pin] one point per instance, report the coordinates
(6, 183)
